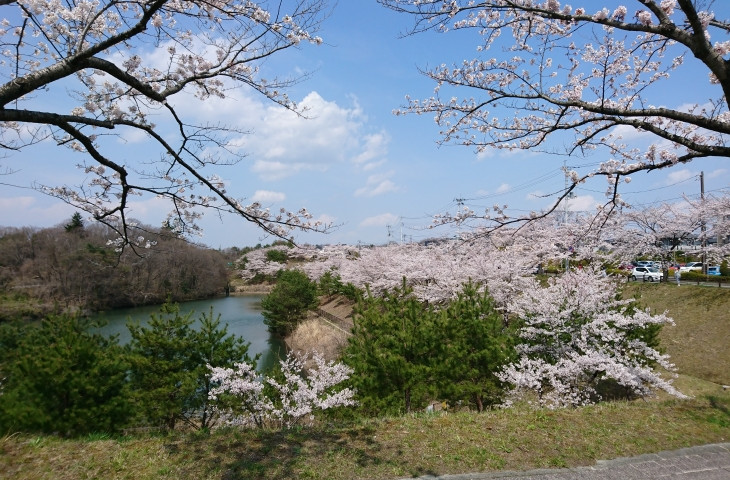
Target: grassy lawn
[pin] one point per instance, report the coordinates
(519, 438)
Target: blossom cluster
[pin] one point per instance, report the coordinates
(309, 384)
(575, 334)
(503, 260)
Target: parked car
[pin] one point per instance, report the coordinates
(646, 273)
(691, 266)
(649, 263)
(714, 270)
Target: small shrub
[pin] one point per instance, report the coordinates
(724, 269)
(276, 255)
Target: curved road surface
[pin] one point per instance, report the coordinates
(707, 462)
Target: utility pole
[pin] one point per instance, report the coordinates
(702, 223)
(459, 204)
(389, 233)
(565, 208)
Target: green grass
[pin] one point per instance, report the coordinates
(515, 439)
(518, 438)
(698, 342)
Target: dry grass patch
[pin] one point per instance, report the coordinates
(314, 334)
(324, 335)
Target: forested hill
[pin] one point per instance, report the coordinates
(76, 266)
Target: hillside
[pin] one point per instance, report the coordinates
(699, 342)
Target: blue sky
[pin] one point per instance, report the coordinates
(354, 162)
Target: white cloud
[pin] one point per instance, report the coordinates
(629, 134)
(505, 153)
(41, 211)
(375, 146)
(377, 185)
(7, 204)
(380, 220)
(284, 143)
(373, 165)
(504, 188)
(279, 170)
(133, 135)
(150, 211)
(676, 176)
(717, 173)
(266, 196)
(582, 203)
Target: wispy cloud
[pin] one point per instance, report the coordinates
(380, 220)
(504, 188)
(266, 196)
(676, 176)
(377, 185)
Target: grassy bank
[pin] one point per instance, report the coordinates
(519, 438)
(700, 339)
(414, 445)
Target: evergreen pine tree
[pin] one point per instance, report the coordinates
(169, 366)
(288, 302)
(476, 344)
(59, 378)
(392, 350)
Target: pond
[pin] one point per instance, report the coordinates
(242, 314)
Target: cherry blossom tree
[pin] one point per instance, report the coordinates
(127, 67)
(656, 231)
(659, 231)
(577, 334)
(242, 397)
(585, 76)
(717, 222)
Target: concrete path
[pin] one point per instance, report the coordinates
(707, 462)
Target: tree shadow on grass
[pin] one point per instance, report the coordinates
(233, 454)
(721, 413)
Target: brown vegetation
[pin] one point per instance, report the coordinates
(324, 334)
(57, 269)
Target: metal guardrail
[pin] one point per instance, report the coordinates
(332, 318)
(329, 316)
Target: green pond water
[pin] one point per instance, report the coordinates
(242, 314)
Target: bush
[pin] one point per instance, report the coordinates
(698, 276)
(724, 269)
(406, 353)
(58, 378)
(331, 284)
(288, 302)
(276, 255)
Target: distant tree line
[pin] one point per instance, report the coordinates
(77, 266)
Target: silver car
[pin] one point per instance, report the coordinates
(647, 273)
